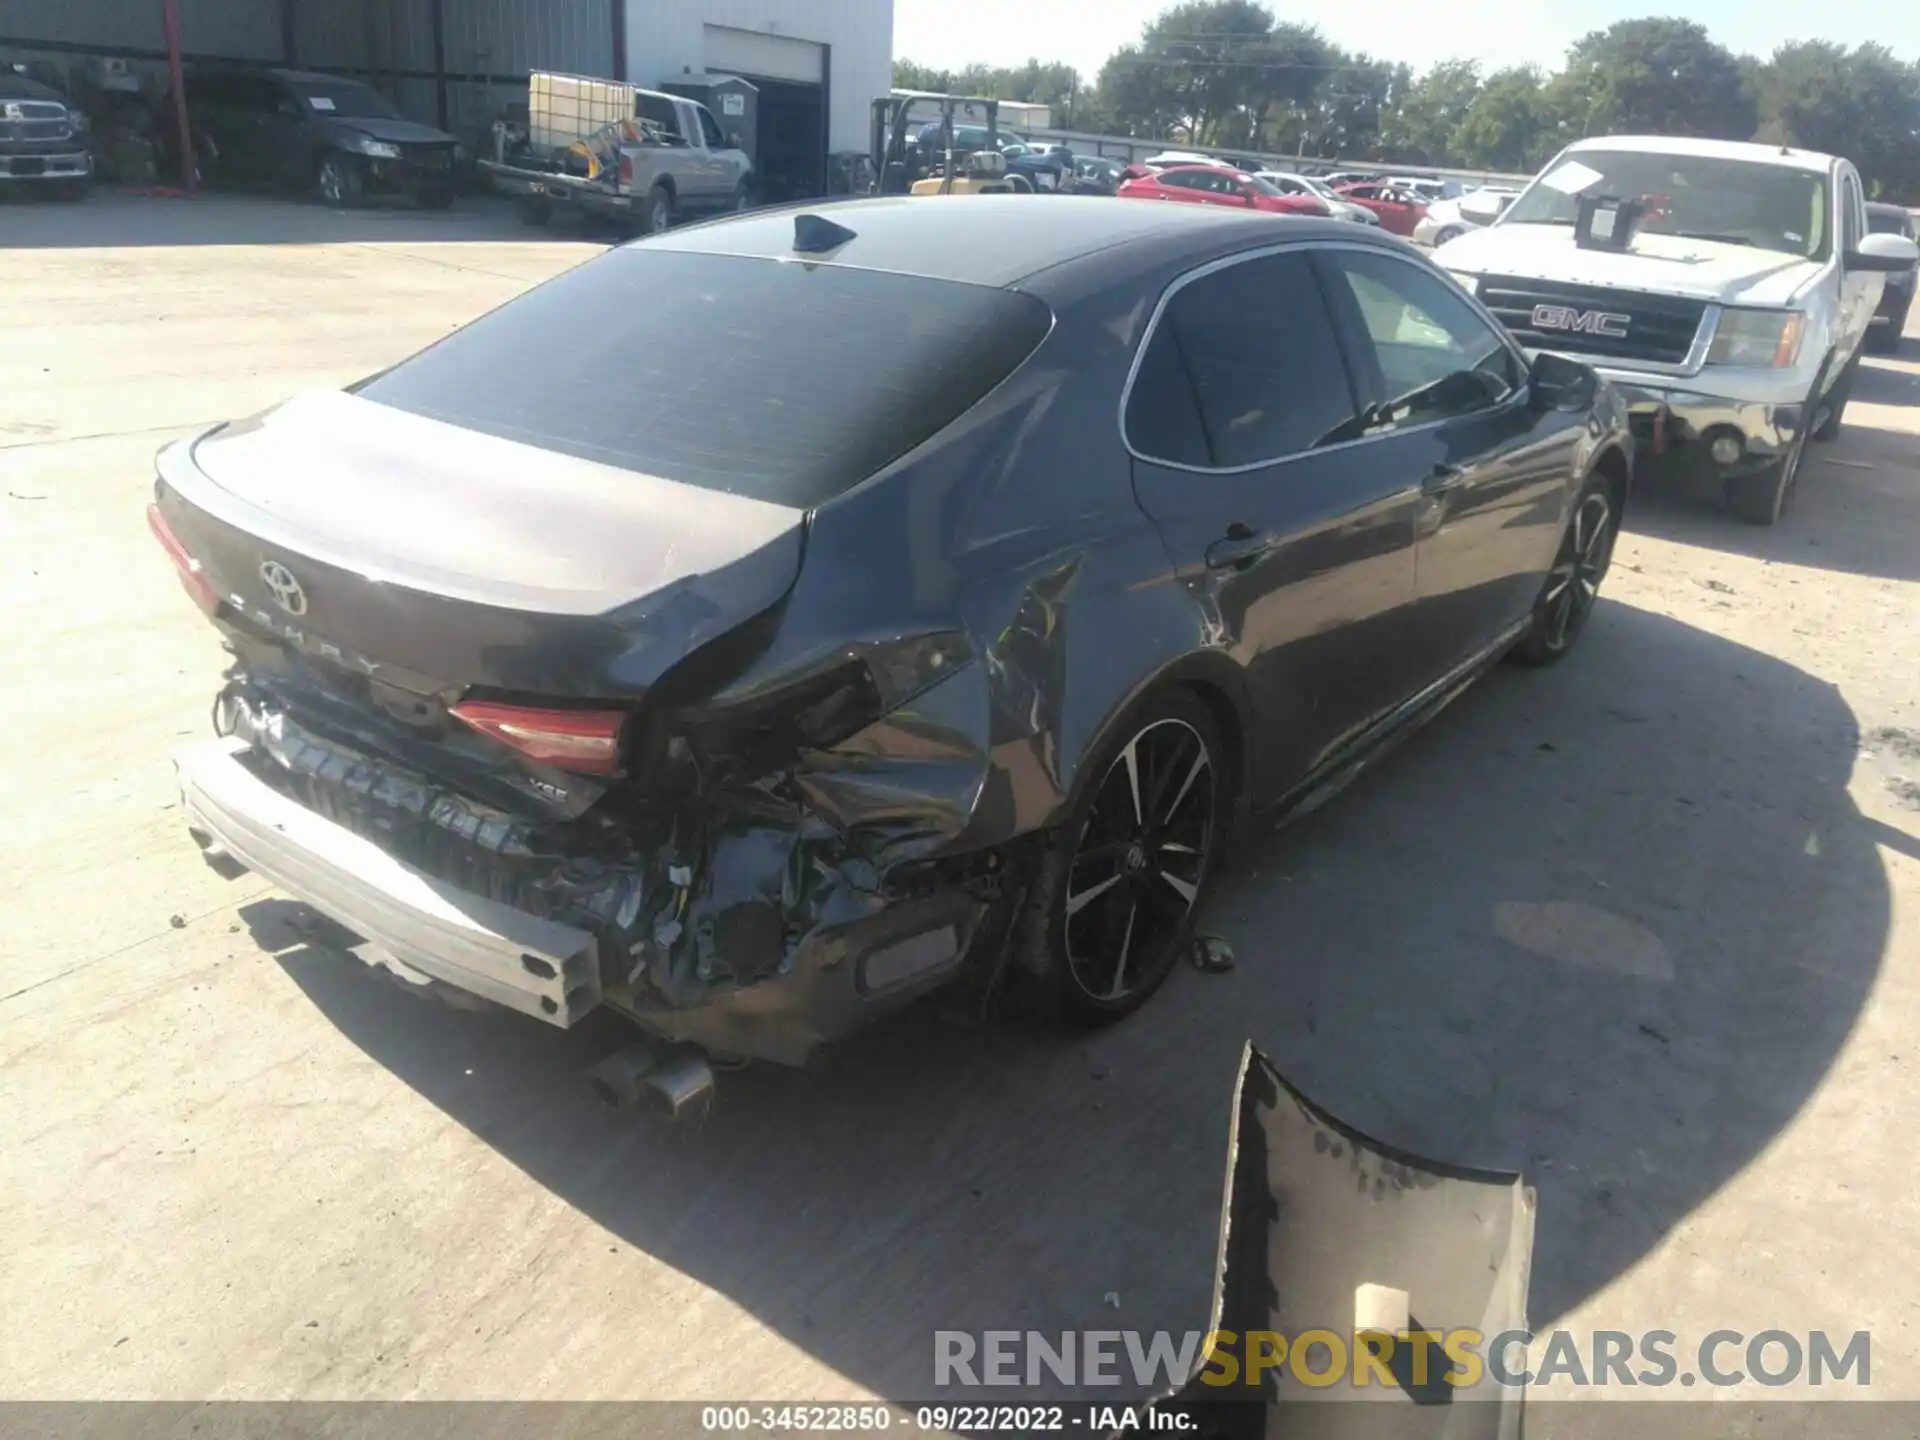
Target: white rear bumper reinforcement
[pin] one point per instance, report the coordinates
(538, 967)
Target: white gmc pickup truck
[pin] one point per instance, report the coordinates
(1725, 290)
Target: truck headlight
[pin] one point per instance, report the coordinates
(379, 149)
(1468, 283)
(1760, 339)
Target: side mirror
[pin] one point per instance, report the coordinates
(1886, 254)
(1556, 383)
(734, 141)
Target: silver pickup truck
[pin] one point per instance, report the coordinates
(640, 157)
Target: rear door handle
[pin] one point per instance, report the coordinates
(1443, 479)
(1238, 548)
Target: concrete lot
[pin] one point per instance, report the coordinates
(1646, 926)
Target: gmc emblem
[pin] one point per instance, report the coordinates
(1581, 322)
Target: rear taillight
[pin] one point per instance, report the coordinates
(192, 578)
(626, 168)
(584, 741)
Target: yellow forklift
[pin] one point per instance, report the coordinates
(922, 146)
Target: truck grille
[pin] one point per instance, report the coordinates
(22, 120)
(1593, 320)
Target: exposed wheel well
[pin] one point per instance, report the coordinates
(1226, 720)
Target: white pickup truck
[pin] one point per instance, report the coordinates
(1725, 289)
(642, 158)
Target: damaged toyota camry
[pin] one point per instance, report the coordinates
(765, 623)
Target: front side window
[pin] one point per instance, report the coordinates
(1733, 202)
(710, 130)
(1242, 368)
(1437, 358)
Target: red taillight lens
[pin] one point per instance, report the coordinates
(626, 168)
(585, 741)
(192, 579)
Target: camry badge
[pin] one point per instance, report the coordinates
(284, 589)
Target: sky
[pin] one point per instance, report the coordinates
(1495, 32)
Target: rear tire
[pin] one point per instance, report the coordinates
(1452, 232)
(1124, 875)
(534, 212)
(656, 215)
(1572, 586)
(1019, 185)
(1886, 341)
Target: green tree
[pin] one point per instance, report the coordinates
(1863, 104)
(1513, 124)
(1421, 125)
(1655, 76)
(910, 75)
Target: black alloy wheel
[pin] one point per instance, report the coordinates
(1115, 901)
(1573, 584)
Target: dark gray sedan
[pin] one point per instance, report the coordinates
(769, 621)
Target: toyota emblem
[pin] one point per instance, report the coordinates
(284, 589)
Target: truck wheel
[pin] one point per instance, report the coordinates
(437, 198)
(1764, 496)
(1019, 185)
(656, 216)
(1829, 427)
(742, 198)
(340, 181)
(1452, 232)
(535, 211)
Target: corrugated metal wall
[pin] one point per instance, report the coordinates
(244, 29)
(511, 37)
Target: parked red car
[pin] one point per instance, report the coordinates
(1399, 210)
(1218, 185)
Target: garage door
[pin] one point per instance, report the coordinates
(747, 52)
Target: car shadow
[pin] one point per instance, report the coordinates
(1856, 508)
(1608, 925)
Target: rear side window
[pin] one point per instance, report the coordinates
(787, 383)
(1242, 368)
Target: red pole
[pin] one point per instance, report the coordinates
(170, 13)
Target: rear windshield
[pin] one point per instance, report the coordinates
(1889, 222)
(784, 382)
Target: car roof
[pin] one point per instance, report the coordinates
(1783, 156)
(996, 240)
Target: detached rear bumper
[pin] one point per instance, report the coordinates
(538, 967)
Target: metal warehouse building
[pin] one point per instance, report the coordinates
(815, 65)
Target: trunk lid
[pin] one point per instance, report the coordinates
(433, 557)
